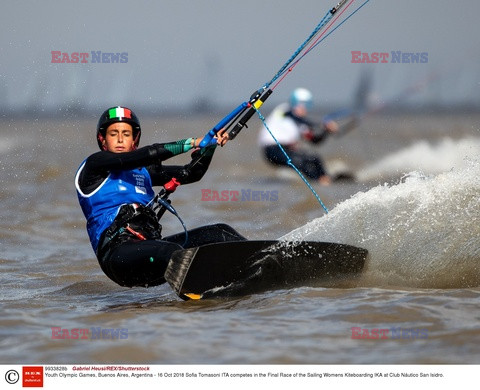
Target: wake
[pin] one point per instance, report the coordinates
(422, 232)
(430, 158)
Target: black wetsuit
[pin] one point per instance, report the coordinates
(141, 259)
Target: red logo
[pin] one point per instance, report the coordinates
(32, 376)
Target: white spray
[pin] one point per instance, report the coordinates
(423, 232)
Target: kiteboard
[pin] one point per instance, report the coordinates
(239, 268)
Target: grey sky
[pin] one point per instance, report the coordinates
(182, 50)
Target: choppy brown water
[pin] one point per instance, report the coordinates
(422, 231)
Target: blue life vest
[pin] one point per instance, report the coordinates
(119, 188)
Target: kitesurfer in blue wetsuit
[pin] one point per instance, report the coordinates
(115, 191)
(289, 124)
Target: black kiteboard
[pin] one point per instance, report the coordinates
(238, 268)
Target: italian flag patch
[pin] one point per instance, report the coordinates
(119, 112)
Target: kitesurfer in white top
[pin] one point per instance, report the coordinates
(289, 124)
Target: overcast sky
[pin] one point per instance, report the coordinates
(180, 51)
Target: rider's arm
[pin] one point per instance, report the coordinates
(100, 164)
(185, 174)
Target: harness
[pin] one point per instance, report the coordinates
(133, 221)
(137, 222)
